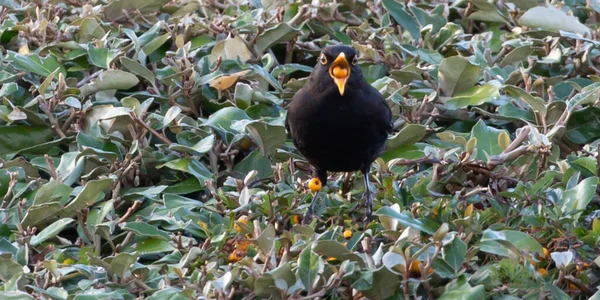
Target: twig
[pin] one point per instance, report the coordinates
(161, 137)
(50, 163)
(130, 211)
(82, 219)
(11, 185)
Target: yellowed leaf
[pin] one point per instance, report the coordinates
(503, 140)
(24, 49)
(224, 82)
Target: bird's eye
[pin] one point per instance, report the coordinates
(322, 59)
(355, 60)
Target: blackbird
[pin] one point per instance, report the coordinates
(338, 121)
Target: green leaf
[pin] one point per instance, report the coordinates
(36, 64)
(110, 80)
(457, 74)
(51, 231)
(119, 9)
(15, 138)
(536, 103)
(146, 230)
(137, 69)
(266, 136)
(101, 57)
(583, 125)
(406, 220)
(578, 197)
(487, 140)
(397, 11)
(191, 166)
(91, 193)
(550, 18)
(475, 96)
(499, 242)
(279, 33)
(310, 265)
(408, 135)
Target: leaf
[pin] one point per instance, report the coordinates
(457, 74)
(407, 221)
(536, 103)
(41, 213)
(230, 48)
(115, 9)
(334, 249)
(499, 242)
(281, 32)
(146, 230)
(8, 89)
(550, 18)
(101, 57)
(137, 69)
(121, 264)
(487, 140)
(475, 96)
(89, 195)
(309, 267)
(191, 166)
(583, 125)
(203, 146)
(17, 137)
(110, 80)
(517, 55)
(408, 135)
(268, 137)
(51, 231)
(399, 14)
(36, 64)
(578, 197)
(224, 82)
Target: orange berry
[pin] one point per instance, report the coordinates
(347, 233)
(234, 257)
(296, 219)
(314, 185)
(573, 287)
(543, 272)
(243, 219)
(340, 72)
(415, 266)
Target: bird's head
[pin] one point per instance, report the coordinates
(340, 64)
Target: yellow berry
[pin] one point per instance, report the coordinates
(469, 210)
(340, 72)
(243, 219)
(347, 233)
(68, 261)
(233, 257)
(543, 272)
(544, 253)
(314, 185)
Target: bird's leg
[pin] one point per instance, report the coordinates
(368, 196)
(311, 209)
(315, 185)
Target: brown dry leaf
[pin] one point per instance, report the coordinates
(224, 82)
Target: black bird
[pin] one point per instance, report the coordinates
(338, 121)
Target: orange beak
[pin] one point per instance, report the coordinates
(339, 70)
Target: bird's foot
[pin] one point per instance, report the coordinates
(307, 217)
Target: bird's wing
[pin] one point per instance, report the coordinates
(384, 111)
